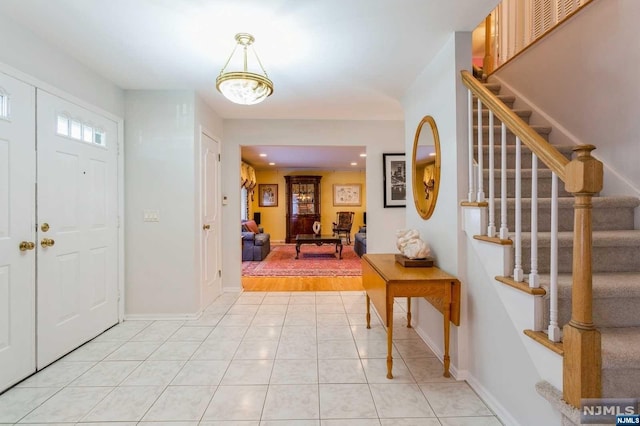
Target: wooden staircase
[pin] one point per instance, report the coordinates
(615, 260)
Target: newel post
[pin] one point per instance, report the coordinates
(487, 63)
(582, 363)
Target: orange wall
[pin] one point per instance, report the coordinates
(273, 219)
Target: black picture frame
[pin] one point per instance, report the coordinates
(394, 170)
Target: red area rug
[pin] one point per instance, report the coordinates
(320, 261)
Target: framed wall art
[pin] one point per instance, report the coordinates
(394, 168)
(347, 194)
(268, 195)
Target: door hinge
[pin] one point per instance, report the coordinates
(219, 157)
(220, 272)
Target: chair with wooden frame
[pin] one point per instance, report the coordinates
(342, 225)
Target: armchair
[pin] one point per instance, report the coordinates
(256, 244)
(342, 225)
(360, 243)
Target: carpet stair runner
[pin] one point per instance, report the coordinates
(616, 254)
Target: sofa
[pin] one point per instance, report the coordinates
(360, 241)
(256, 244)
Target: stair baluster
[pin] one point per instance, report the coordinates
(533, 273)
(504, 227)
(554, 329)
(471, 195)
(518, 274)
(480, 196)
(491, 229)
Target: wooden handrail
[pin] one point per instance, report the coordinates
(546, 152)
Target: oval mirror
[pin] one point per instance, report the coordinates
(426, 167)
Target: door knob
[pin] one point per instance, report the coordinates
(44, 227)
(206, 227)
(47, 242)
(27, 245)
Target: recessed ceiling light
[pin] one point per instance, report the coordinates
(272, 164)
(433, 154)
(354, 164)
(262, 155)
(363, 155)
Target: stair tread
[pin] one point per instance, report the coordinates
(525, 173)
(620, 347)
(606, 285)
(614, 238)
(567, 149)
(542, 130)
(520, 112)
(598, 202)
(503, 98)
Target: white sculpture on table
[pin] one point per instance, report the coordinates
(316, 227)
(411, 245)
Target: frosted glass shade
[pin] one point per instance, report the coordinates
(244, 88)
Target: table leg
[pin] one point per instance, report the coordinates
(447, 326)
(339, 244)
(389, 339)
(297, 250)
(368, 312)
(408, 312)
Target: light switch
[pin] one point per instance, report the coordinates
(151, 215)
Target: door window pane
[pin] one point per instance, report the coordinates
(87, 133)
(4, 106)
(100, 137)
(76, 130)
(63, 125)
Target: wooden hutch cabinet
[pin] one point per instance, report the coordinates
(303, 205)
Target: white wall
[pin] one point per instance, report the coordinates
(584, 76)
(159, 165)
(433, 93)
(486, 349)
(23, 51)
(377, 136)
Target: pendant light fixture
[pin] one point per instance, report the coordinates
(244, 87)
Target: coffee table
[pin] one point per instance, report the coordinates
(318, 240)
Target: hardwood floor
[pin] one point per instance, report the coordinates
(302, 283)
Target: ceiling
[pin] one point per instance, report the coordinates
(328, 59)
(305, 157)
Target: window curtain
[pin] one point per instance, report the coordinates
(247, 178)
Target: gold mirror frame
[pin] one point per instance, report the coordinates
(426, 168)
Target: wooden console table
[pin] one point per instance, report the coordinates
(383, 279)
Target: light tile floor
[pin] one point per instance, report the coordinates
(251, 359)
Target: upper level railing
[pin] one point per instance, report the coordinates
(583, 178)
(514, 25)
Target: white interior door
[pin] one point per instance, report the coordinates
(210, 201)
(77, 248)
(17, 224)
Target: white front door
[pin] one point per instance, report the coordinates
(77, 226)
(17, 225)
(210, 201)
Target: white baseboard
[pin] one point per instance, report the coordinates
(495, 406)
(453, 369)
